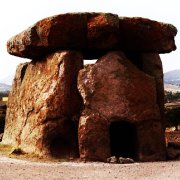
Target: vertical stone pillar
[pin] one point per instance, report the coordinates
(43, 101)
(152, 65)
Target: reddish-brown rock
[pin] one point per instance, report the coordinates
(103, 31)
(65, 31)
(121, 100)
(152, 65)
(93, 34)
(144, 35)
(93, 136)
(42, 105)
(123, 92)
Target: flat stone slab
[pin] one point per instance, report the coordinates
(93, 34)
(144, 35)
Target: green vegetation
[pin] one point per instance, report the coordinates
(3, 94)
(172, 111)
(170, 96)
(172, 117)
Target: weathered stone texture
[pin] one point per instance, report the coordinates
(123, 91)
(93, 136)
(144, 35)
(91, 32)
(65, 31)
(102, 31)
(151, 141)
(152, 65)
(115, 89)
(42, 103)
(113, 80)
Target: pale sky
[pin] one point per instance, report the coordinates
(17, 15)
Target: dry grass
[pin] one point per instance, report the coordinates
(8, 151)
(5, 149)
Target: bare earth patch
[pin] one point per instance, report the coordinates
(33, 168)
(21, 170)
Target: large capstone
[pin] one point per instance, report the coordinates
(93, 34)
(144, 35)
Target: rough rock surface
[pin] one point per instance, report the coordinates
(173, 151)
(67, 31)
(93, 136)
(144, 35)
(107, 84)
(42, 103)
(123, 92)
(103, 31)
(112, 159)
(152, 65)
(91, 32)
(125, 160)
(115, 90)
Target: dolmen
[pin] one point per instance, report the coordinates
(58, 107)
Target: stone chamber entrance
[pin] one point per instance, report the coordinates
(123, 139)
(60, 147)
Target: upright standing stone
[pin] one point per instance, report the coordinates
(43, 101)
(152, 65)
(118, 95)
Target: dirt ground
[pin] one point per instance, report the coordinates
(19, 169)
(13, 169)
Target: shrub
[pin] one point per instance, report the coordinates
(170, 96)
(172, 117)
